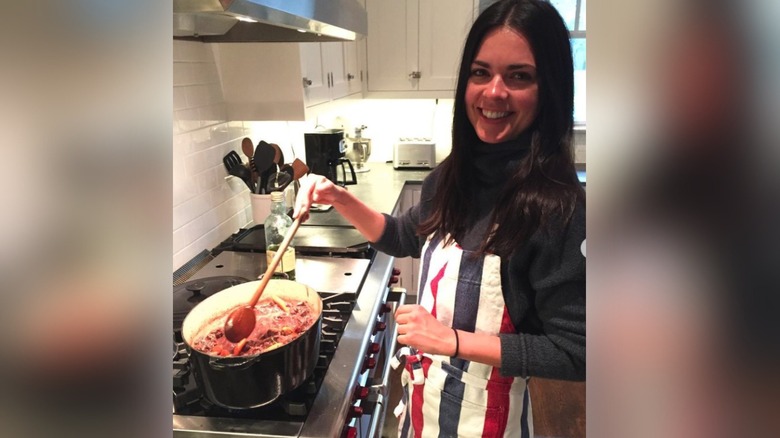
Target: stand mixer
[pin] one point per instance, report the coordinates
(360, 149)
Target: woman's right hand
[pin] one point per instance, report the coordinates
(314, 189)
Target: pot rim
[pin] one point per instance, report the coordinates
(208, 313)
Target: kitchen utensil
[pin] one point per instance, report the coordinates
(236, 167)
(247, 382)
(242, 321)
(299, 169)
(265, 177)
(249, 151)
(278, 181)
(279, 155)
(264, 156)
(264, 163)
(288, 169)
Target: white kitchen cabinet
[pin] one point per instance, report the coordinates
(330, 71)
(415, 45)
(354, 62)
(315, 78)
(324, 76)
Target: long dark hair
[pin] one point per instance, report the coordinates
(544, 188)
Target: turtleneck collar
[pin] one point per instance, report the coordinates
(492, 161)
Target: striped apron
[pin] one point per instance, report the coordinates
(453, 397)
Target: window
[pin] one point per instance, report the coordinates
(573, 13)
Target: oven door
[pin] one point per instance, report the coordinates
(379, 384)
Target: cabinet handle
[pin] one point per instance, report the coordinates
(415, 75)
(330, 81)
(350, 76)
(306, 82)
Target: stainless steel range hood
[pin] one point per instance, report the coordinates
(268, 20)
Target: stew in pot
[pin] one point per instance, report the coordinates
(279, 322)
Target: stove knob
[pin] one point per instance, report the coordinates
(384, 309)
(196, 288)
(368, 364)
(394, 277)
(355, 411)
(361, 392)
(373, 348)
(379, 326)
(350, 432)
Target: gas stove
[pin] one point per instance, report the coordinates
(343, 395)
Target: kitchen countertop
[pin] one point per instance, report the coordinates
(380, 188)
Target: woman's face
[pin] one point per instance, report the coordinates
(502, 93)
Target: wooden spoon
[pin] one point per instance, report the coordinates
(249, 151)
(299, 169)
(241, 321)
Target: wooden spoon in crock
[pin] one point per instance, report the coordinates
(241, 321)
(249, 151)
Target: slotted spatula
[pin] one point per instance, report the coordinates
(236, 167)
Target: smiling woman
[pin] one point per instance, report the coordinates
(502, 94)
(502, 278)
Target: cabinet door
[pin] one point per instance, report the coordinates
(313, 70)
(351, 66)
(392, 44)
(444, 25)
(333, 60)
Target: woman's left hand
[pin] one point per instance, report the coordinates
(421, 330)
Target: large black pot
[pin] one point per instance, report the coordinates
(252, 381)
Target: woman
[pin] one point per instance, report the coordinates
(500, 232)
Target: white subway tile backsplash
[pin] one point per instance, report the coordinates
(207, 207)
(179, 98)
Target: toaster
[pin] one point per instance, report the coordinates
(414, 153)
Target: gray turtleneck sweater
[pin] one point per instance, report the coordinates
(543, 282)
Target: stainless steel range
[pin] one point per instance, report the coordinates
(345, 395)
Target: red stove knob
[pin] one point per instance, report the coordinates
(394, 278)
(361, 392)
(355, 411)
(368, 364)
(374, 348)
(384, 308)
(350, 432)
(379, 326)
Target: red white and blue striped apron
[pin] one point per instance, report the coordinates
(453, 397)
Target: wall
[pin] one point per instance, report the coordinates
(386, 121)
(207, 208)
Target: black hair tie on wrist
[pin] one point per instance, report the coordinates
(457, 343)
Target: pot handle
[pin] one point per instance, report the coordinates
(218, 363)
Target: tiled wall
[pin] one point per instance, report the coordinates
(207, 208)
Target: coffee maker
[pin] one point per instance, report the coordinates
(325, 154)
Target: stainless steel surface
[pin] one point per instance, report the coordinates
(396, 298)
(335, 396)
(415, 152)
(377, 419)
(269, 20)
(323, 274)
(202, 427)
